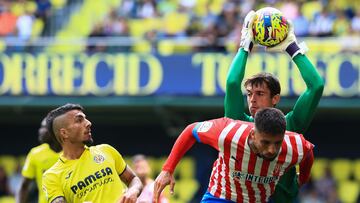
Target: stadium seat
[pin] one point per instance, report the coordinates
(318, 168)
(341, 169)
(9, 163)
(7, 199)
(186, 189)
(310, 8)
(356, 168)
(187, 168)
(37, 28)
(174, 23)
(348, 191)
(58, 4)
(2, 46)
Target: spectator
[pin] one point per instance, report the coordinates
(4, 183)
(355, 23)
(322, 24)
(7, 20)
(341, 24)
(143, 170)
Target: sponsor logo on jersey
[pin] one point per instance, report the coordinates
(99, 158)
(93, 180)
(205, 126)
(238, 175)
(68, 176)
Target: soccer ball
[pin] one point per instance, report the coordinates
(270, 27)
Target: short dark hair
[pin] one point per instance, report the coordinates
(270, 80)
(270, 121)
(58, 112)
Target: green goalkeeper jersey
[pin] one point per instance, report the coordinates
(299, 118)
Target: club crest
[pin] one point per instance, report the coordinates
(99, 158)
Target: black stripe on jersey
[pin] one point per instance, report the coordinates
(123, 170)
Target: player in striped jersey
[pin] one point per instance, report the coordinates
(263, 90)
(251, 159)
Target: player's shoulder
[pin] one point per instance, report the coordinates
(55, 169)
(102, 147)
(39, 149)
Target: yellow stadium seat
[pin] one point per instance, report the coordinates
(142, 47)
(7, 199)
(2, 46)
(186, 189)
(356, 168)
(166, 47)
(348, 191)
(58, 4)
(30, 6)
(37, 28)
(175, 22)
(341, 169)
(17, 9)
(9, 163)
(318, 168)
(310, 8)
(187, 168)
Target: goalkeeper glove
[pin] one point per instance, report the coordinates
(246, 32)
(290, 44)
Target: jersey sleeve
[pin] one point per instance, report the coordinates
(234, 103)
(208, 132)
(299, 118)
(28, 170)
(120, 164)
(51, 186)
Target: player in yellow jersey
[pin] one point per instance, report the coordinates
(39, 159)
(82, 173)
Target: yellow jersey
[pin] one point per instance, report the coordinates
(39, 159)
(94, 177)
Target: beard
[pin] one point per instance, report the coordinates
(88, 142)
(266, 158)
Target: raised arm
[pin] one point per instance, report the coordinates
(303, 111)
(24, 190)
(134, 185)
(234, 101)
(299, 118)
(184, 142)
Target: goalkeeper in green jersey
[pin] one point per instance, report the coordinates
(263, 90)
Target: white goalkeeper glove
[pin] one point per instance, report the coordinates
(246, 32)
(290, 44)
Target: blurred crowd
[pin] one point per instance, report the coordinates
(214, 23)
(218, 22)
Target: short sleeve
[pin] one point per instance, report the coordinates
(120, 164)
(307, 145)
(28, 171)
(51, 185)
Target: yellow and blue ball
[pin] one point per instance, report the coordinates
(270, 27)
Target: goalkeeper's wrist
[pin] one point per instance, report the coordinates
(294, 49)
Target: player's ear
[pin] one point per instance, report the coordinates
(63, 134)
(275, 99)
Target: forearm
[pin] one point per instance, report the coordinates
(309, 73)
(304, 109)
(234, 101)
(305, 168)
(184, 142)
(23, 192)
(135, 185)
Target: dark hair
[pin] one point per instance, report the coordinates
(58, 112)
(270, 121)
(46, 137)
(270, 80)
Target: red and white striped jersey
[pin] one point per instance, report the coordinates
(239, 174)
